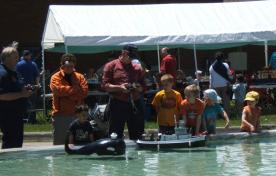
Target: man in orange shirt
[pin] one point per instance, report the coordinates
(69, 90)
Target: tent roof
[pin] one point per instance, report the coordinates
(211, 25)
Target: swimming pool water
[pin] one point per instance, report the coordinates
(255, 156)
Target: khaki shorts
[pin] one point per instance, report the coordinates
(60, 128)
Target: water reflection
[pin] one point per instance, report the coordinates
(151, 164)
(179, 162)
(252, 156)
(244, 157)
(86, 165)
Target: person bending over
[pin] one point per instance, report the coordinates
(212, 111)
(167, 104)
(251, 113)
(192, 109)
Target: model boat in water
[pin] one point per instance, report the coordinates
(180, 139)
(107, 146)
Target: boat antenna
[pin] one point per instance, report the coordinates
(174, 116)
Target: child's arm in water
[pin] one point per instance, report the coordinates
(225, 116)
(252, 128)
(258, 126)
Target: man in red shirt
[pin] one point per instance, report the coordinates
(125, 82)
(168, 63)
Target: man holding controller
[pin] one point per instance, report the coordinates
(124, 80)
(13, 99)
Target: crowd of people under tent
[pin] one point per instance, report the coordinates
(125, 79)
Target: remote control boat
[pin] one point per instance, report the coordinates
(180, 139)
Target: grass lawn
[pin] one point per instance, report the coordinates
(47, 127)
(38, 127)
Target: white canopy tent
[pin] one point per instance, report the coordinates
(92, 29)
(149, 25)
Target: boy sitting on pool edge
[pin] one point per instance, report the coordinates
(192, 109)
(212, 111)
(167, 104)
(251, 113)
(80, 130)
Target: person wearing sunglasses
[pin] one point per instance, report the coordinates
(124, 80)
(69, 90)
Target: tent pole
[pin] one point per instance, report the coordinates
(266, 53)
(178, 57)
(195, 59)
(43, 81)
(43, 67)
(158, 57)
(66, 49)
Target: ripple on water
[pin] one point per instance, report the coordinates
(245, 157)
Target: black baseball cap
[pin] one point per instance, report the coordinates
(26, 53)
(132, 50)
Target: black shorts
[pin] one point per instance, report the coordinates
(166, 130)
(191, 130)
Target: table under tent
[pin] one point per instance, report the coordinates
(100, 28)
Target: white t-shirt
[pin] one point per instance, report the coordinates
(216, 80)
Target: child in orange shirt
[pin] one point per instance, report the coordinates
(167, 104)
(251, 113)
(192, 109)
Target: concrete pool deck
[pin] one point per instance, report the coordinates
(40, 141)
(221, 133)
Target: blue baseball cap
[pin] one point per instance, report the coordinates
(212, 94)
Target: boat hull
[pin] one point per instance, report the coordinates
(185, 143)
